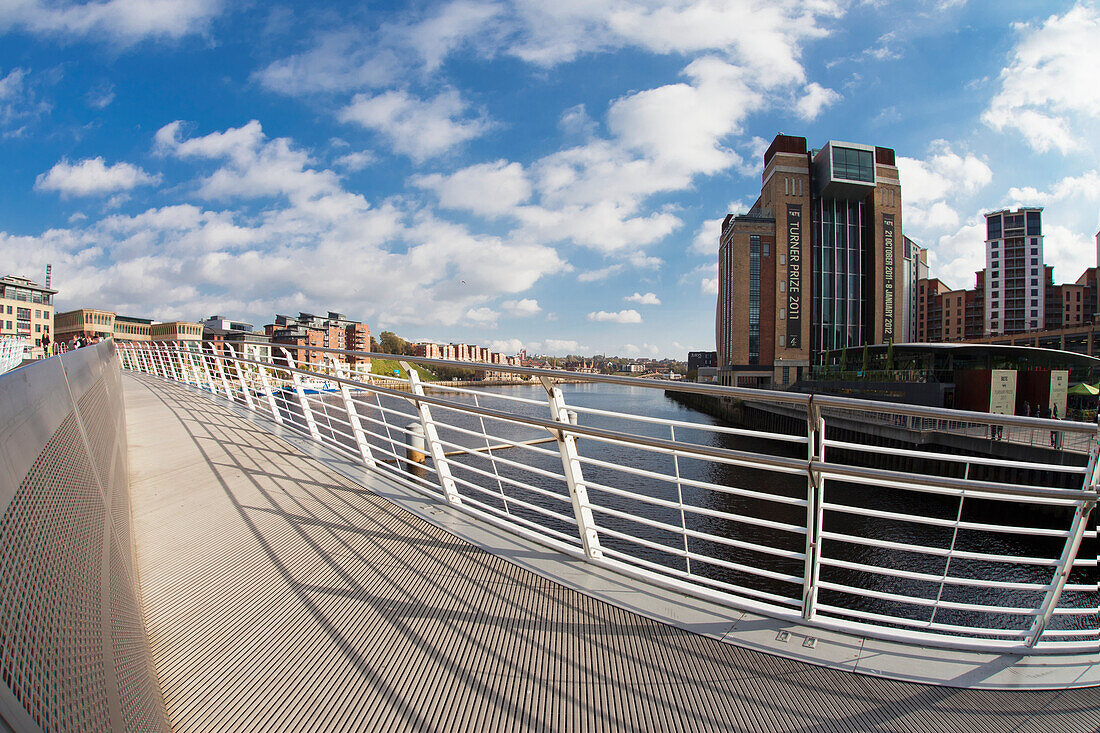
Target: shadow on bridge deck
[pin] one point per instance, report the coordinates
(279, 594)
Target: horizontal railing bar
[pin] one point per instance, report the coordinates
(735, 590)
(940, 551)
(463, 450)
(513, 500)
(568, 539)
(954, 458)
(917, 519)
(933, 578)
(692, 426)
(732, 490)
(926, 602)
(918, 624)
(742, 518)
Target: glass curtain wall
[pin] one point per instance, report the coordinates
(840, 239)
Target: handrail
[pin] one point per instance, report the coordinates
(717, 390)
(627, 525)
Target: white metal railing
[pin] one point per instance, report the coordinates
(11, 353)
(966, 551)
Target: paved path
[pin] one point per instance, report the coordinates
(280, 595)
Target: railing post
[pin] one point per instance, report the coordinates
(219, 362)
(206, 372)
(240, 377)
(353, 416)
(1069, 551)
(431, 437)
(815, 496)
(270, 392)
(574, 477)
(302, 402)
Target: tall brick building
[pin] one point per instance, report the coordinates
(334, 331)
(816, 264)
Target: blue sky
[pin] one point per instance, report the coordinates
(517, 173)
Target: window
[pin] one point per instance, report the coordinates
(782, 286)
(1035, 260)
(767, 250)
(1034, 223)
(993, 228)
(782, 314)
(782, 259)
(854, 165)
(754, 299)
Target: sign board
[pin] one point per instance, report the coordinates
(794, 276)
(888, 277)
(1059, 389)
(1002, 392)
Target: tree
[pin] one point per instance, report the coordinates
(390, 343)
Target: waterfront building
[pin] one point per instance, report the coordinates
(914, 269)
(813, 265)
(1014, 294)
(127, 328)
(26, 311)
(334, 331)
(226, 324)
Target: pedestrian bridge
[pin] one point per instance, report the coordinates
(187, 546)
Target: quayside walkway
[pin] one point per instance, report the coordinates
(279, 594)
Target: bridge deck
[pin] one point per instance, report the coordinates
(278, 594)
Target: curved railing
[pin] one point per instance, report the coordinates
(915, 544)
(11, 353)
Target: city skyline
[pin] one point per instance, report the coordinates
(526, 177)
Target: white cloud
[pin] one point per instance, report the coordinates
(356, 160)
(930, 187)
(416, 127)
(647, 349)
(92, 177)
(814, 99)
(522, 307)
(488, 189)
(592, 276)
(313, 245)
(18, 102)
(646, 299)
(124, 21)
(510, 347)
(1085, 186)
(623, 316)
(560, 347)
(1050, 82)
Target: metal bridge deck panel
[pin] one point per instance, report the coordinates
(280, 595)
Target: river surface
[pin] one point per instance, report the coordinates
(503, 486)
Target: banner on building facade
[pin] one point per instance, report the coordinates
(1002, 392)
(888, 278)
(794, 276)
(1059, 391)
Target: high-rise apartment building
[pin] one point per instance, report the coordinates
(334, 331)
(1015, 287)
(816, 264)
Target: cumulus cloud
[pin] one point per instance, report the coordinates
(356, 160)
(19, 104)
(623, 316)
(419, 128)
(488, 189)
(93, 177)
(813, 101)
(930, 187)
(1049, 85)
(646, 299)
(123, 21)
(522, 307)
(310, 243)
